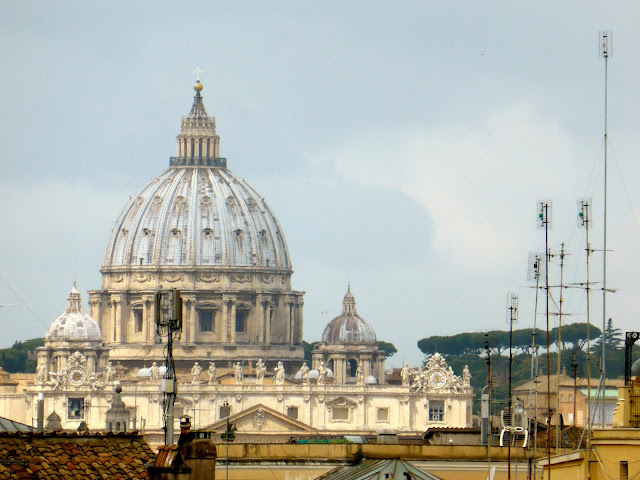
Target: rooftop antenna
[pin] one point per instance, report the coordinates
(559, 354)
(512, 317)
(584, 221)
(606, 50)
(169, 324)
(544, 223)
(534, 271)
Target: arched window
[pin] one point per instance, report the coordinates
(242, 314)
(352, 366)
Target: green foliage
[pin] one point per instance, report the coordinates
(575, 335)
(389, 349)
(468, 349)
(21, 356)
(308, 348)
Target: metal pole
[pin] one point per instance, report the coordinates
(605, 53)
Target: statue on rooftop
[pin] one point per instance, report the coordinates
(196, 370)
(304, 373)
(212, 373)
(238, 372)
(405, 373)
(279, 374)
(260, 371)
(322, 374)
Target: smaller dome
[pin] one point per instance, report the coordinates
(370, 380)
(73, 325)
(635, 368)
(349, 328)
(144, 372)
(314, 373)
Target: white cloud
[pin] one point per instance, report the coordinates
(477, 181)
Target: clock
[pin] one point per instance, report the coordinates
(77, 376)
(437, 379)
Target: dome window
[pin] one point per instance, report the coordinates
(157, 200)
(242, 314)
(238, 232)
(207, 232)
(175, 232)
(124, 231)
(146, 232)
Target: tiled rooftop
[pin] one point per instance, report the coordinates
(73, 456)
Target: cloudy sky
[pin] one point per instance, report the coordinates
(402, 145)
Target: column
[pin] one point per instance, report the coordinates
(232, 321)
(267, 322)
(291, 324)
(115, 329)
(224, 334)
(193, 321)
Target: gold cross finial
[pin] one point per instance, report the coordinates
(197, 72)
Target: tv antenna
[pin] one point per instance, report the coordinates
(606, 51)
(544, 223)
(169, 324)
(512, 317)
(584, 221)
(534, 273)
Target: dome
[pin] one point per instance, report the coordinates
(370, 380)
(349, 328)
(197, 216)
(73, 325)
(635, 368)
(197, 213)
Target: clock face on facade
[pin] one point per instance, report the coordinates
(77, 376)
(437, 379)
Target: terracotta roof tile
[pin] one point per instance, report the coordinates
(61, 455)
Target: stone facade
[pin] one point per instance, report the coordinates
(199, 229)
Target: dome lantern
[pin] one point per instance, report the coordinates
(198, 144)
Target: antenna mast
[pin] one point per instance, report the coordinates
(533, 273)
(584, 221)
(169, 324)
(606, 44)
(544, 222)
(559, 355)
(512, 317)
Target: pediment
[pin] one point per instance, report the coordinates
(341, 402)
(264, 420)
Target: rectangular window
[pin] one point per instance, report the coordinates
(383, 414)
(241, 319)
(138, 319)
(292, 412)
(207, 318)
(436, 411)
(224, 411)
(341, 414)
(76, 408)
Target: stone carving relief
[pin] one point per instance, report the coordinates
(208, 277)
(259, 419)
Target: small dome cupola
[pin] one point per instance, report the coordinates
(198, 144)
(349, 328)
(73, 324)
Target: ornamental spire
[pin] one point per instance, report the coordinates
(74, 300)
(349, 303)
(198, 143)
